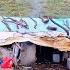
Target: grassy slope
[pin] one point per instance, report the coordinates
(55, 8)
(11, 8)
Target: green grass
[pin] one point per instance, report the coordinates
(8, 8)
(54, 8)
(58, 8)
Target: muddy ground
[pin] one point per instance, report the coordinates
(34, 66)
(43, 67)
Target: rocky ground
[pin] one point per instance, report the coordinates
(49, 67)
(43, 67)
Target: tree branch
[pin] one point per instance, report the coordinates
(6, 25)
(60, 26)
(34, 21)
(67, 24)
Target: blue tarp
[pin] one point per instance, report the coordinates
(40, 27)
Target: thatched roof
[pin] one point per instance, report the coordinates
(60, 42)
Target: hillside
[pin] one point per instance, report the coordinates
(35, 8)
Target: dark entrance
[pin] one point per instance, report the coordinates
(45, 54)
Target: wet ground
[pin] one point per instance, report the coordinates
(50, 67)
(43, 67)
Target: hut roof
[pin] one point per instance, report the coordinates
(33, 30)
(60, 42)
